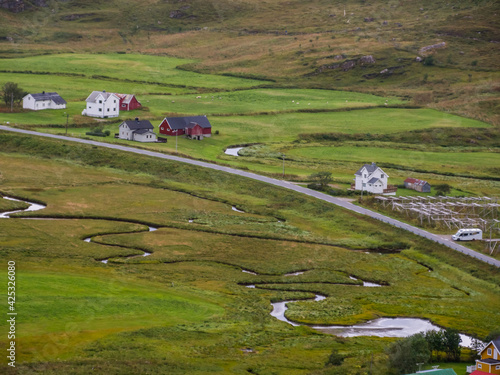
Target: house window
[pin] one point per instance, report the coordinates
(498, 367)
(114, 101)
(382, 175)
(479, 365)
(108, 109)
(100, 101)
(489, 351)
(364, 184)
(123, 105)
(100, 109)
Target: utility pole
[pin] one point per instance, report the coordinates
(11, 101)
(67, 119)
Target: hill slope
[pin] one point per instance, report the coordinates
(363, 46)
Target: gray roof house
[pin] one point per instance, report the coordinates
(44, 100)
(372, 179)
(137, 130)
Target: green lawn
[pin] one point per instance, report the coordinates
(458, 162)
(140, 68)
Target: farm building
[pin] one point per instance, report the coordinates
(372, 179)
(490, 359)
(102, 104)
(45, 100)
(128, 102)
(194, 127)
(418, 185)
(137, 130)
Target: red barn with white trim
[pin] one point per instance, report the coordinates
(128, 102)
(195, 127)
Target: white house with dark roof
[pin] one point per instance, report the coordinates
(102, 104)
(137, 130)
(372, 179)
(45, 100)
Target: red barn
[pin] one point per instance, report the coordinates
(195, 127)
(128, 102)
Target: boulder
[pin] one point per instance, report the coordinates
(348, 65)
(367, 60)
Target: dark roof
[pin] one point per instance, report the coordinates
(54, 96)
(136, 124)
(373, 180)
(188, 122)
(491, 361)
(496, 342)
(369, 167)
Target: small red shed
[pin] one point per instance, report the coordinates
(128, 102)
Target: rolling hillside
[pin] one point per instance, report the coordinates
(363, 46)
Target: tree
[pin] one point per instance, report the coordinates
(335, 359)
(321, 180)
(451, 343)
(435, 341)
(494, 334)
(405, 354)
(11, 93)
(442, 189)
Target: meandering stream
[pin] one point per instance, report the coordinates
(383, 327)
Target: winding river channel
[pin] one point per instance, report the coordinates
(383, 327)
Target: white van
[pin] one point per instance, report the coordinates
(468, 235)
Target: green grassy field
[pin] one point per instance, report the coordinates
(264, 74)
(185, 308)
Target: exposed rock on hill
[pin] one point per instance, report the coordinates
(425, 49)
(17, 6)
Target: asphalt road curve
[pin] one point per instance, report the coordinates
(284, 184)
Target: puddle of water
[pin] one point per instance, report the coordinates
(250, 272)
(146, 254)
(105, 261)
(191, 220)
(365, 283)
(294, 273)
(235, 209)
(233, 151)
(152, 229)
(88, 239)
(251, 286)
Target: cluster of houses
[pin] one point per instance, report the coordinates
(104, 104)
(193, 127)
(369, 178)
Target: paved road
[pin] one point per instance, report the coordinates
(284, 184)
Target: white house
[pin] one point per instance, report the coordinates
(45, 100)
(135, 130)
(372, 179)
(102, 104)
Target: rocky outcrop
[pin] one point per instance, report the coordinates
(346, 65)
(17, 6)
(365, 60)
(426, 49)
